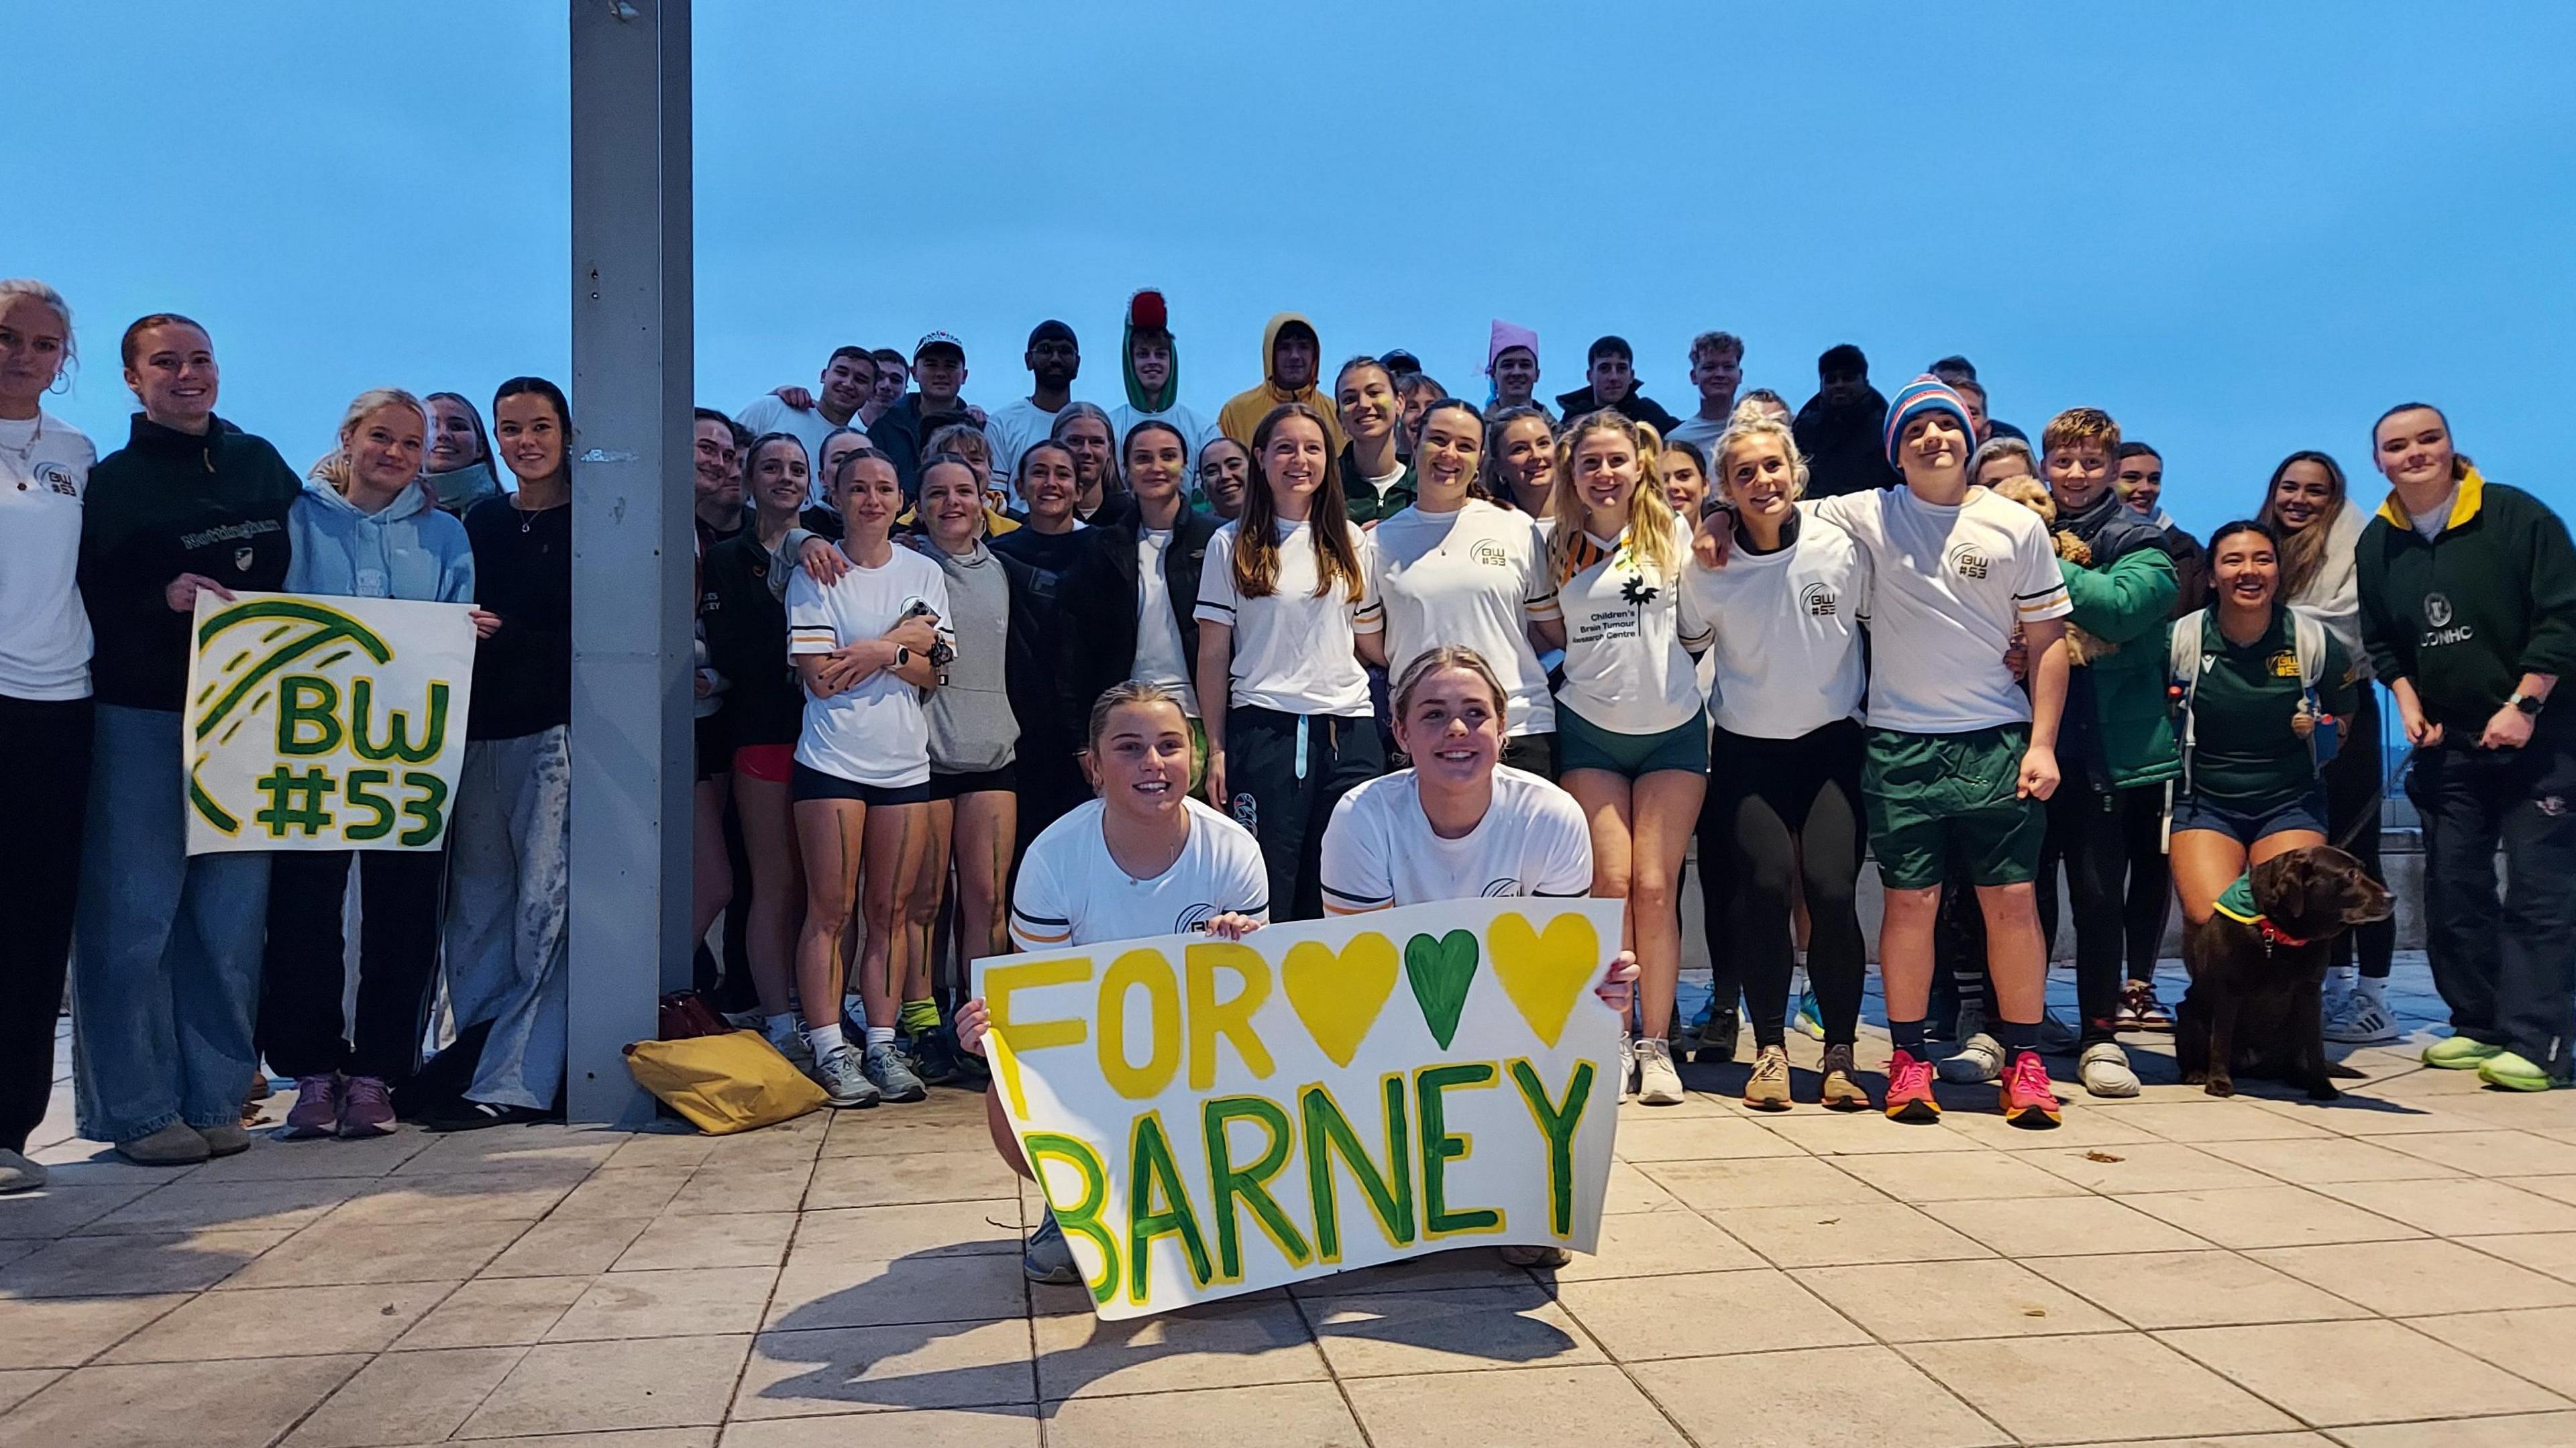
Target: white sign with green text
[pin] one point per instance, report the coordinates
(1211, 1117)
(324, 723)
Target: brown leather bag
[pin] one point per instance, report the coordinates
(686, 1016)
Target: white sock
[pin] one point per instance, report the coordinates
(779, 1027)
(2373, 987)
(880, 1035)
(824, 1040)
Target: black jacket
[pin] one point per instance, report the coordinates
(168, 503)
(1846, 447)
(1636, 407)
(1100, 602)
(747, 643)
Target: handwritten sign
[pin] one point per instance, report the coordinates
(1212, 1117)
(324, 723)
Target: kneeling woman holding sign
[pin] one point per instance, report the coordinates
(1460, 824)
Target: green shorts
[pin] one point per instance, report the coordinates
(1938, 798)
(1581, 744)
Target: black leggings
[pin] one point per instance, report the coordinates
(1790, 813)
(2352, 780)
(2086, 833)
(1285, 793)
(43, 798)
(2150, 896)
(401, 894)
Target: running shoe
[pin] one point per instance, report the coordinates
(366, 1108)
(2104, 1070)
(934, 1059)
(2140, 1010)
(843, 1081)
(2460, 1053)
(1049, 1258)
(1979, 1061)
(1718, 1036)
(1767, 1089)
(1809, 1018)
(1909, 1089)
(884, 1066)
(2361, 1018)
(2027, 1100)
(316, 1112)
(1841, 1090)
(1658, 1084)
(1627, 1067)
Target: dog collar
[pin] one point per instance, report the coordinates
(2236, 902)
(2274, 934)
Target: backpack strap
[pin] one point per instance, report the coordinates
(2186, 649)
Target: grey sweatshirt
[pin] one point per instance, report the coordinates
(972, 728)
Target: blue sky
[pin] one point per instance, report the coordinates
(2242, 229)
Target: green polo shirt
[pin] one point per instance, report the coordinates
(2245, 753)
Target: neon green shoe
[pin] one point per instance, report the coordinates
(2460, 1053)
(2514, 1073)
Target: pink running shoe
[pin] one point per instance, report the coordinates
(2028, 1101)
(316, 1111)
(366, 1109)
(1909, 1089)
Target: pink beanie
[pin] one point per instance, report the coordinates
(1507, 336)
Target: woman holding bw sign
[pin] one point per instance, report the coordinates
(362, 529)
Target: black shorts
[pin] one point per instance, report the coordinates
(810, 783)
(981, 781)
(714, 752)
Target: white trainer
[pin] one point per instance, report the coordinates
(1979, 1062)
(1658, 1084)
(2361, 1019)
(2104, 1070)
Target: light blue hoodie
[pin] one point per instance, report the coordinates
(409, 550)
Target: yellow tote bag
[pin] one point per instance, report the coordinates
(724, 1084)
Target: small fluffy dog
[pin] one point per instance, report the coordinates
(2253, 1002)
(2031, 493)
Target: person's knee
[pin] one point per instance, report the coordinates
(1913, 907)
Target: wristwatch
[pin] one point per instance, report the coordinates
(902, 655)
(2529, 704)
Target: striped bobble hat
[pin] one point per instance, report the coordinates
(1926, 393)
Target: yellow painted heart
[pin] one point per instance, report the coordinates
(1339, 995)
(1544, 973)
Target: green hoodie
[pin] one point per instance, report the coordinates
(2127, 602)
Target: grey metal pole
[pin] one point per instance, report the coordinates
(632, 381)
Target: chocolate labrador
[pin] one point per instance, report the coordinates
(2253, 1005)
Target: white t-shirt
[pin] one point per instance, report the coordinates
(1010, 430)
(1947, 586)
(1158, 634)
(1628, 641)
(1380, 849)
(766, 414)
(1293, 650)
(1700, 432)
(44, 632)
(874, 733)
(1478, 578)
(1787, 653)
(1071, 891)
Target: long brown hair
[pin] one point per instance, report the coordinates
(1256, 535)
(2303, 551)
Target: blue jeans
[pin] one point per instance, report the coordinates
(509, 870)
(165, 975)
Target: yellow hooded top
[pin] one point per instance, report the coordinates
(1243, 411)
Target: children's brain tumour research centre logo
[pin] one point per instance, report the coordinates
(312, 726)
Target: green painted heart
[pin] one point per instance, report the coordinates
(1439, 970)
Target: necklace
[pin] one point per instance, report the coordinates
(28, 452)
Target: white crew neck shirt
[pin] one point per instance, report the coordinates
(1948, 584)
(1071, 891)
(1012, 429)
(44, 631)
(874, 733)
(1380, 849)
(1477, 578)
(1158, 633)
(1787, 656)
(1628, 641)
(766, 414)
(1294, 651)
